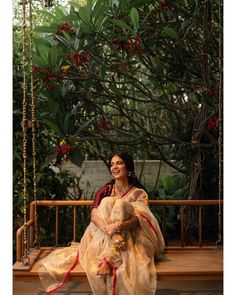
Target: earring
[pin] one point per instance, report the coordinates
(112, 177)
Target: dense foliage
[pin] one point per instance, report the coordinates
(137, 74)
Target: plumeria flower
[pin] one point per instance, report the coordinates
(62, 142)
(65, 68)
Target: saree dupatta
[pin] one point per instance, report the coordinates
(133, 271)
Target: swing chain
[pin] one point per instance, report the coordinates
(34, 125)
(219, 242)
(25, 259)
(25, 125)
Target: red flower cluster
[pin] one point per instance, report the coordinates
(212, 91)
(65, 27)
(77, 59)
(133, 45)
(213, 122)
(65, 149)
(104, 125)
(35, 70)
(47, 76)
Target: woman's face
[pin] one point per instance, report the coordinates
(118, 168)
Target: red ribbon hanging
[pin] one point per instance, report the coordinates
(114, 268)
(67, 275)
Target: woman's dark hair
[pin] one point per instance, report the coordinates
(129, 163)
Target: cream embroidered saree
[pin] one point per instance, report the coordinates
(133, 270)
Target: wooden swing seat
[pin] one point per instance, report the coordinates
(176, 263)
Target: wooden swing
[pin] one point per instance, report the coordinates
(178, 262)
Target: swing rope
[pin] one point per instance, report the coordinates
(25, 126)
(219, 242)
(34, 126)
(25, 259)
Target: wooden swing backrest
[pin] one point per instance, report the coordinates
(181, 203)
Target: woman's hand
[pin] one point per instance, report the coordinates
(112, 228)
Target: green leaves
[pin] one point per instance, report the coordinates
(65, 41)
(172, 187)
(121, 24)
(85, 15)
(170, 32)
(39, 61)
(98, 22)
(52, 125)
(50, 16)
(83, 126)
(77, 157)
(134, 17)
(39, 41)
(46, 29)
(53, 56)
(70, 18)
(67, 123)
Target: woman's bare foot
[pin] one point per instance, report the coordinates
(104, 269)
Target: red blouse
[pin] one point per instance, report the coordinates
(104, 191)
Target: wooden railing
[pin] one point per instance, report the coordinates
(57, 204)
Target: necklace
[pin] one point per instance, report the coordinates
(124, 191)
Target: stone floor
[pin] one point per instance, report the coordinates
(164, 288)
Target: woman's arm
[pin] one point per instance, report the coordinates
(101, 193)
(131, 223)
(98, 221)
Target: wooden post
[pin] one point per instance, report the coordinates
(74, 230)
(182, 225)
(164, 223)
(200, 225)
(56, 242)
(31, 241)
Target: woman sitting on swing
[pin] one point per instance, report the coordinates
(120, 245)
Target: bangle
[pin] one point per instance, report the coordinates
(118, 228)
